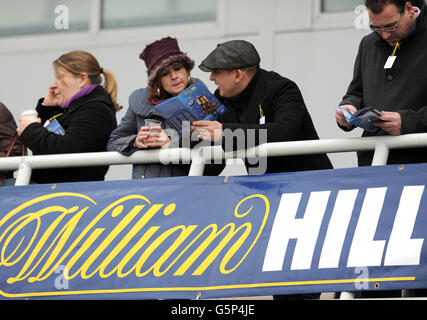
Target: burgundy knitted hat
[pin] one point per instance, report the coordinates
(160, 55)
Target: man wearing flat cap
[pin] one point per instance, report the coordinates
(257, 100)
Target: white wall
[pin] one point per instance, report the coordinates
(288, 34)
(321, 63)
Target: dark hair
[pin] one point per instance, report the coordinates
(377, 6)
(252, 70)
(157, 93)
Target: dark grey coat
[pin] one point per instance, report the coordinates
(402, 89)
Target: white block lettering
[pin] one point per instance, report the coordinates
(364, 250)
(276, 249)
(401, 249)
(305, 230)
(337, 229)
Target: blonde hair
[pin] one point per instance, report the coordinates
(78, 62)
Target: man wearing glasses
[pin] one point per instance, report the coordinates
(390, 75)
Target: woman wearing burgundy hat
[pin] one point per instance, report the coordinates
(168, 71)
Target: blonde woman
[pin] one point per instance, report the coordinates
(84, 109)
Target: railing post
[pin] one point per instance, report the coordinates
(24, 173)
(199, 157)
(380, 155)
(346, 295)
(197, 166)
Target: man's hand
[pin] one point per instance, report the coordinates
(392, 123)
(208, 130)
(340, 118)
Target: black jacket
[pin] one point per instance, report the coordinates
(402, 89)
(88, 123)
(286, 119)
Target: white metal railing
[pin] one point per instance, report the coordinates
(200, 156)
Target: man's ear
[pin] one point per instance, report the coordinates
(409, 7)
(239, 75)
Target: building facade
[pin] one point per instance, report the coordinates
(312, 42)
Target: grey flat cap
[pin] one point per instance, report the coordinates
(234, 54)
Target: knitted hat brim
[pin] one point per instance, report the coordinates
(156, 72)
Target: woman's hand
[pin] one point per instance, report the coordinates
(143, 134)
(157, 138)
(151, 137)
(24, 122)
(51, 98)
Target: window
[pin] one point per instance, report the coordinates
(138, 13)
(25, 17)
(340, 14)
(340, 5)
(30, 17)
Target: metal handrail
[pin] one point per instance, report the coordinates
(198, 157)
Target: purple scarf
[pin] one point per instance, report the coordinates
(79, 94)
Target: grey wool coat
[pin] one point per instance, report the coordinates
(121, 139)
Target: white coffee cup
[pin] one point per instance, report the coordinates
(30, 114)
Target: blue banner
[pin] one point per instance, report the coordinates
(208, 237)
